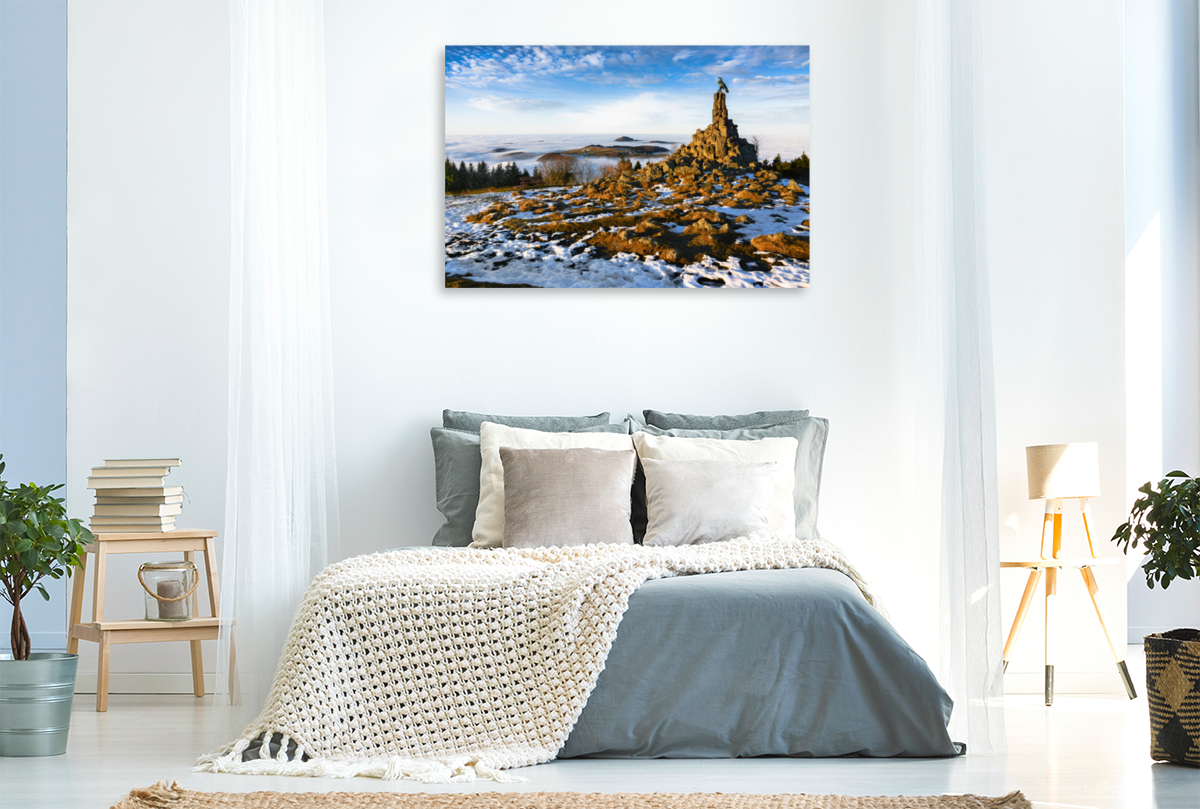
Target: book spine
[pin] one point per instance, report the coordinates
(104, 499)
(125, 483)
(141, 491)
(130, 472)
(132, 510)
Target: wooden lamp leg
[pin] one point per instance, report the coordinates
(1048, 517)
(1051, 605)
(1035, 576)
(1093, 588)
(1057, 506)
(1085, 511)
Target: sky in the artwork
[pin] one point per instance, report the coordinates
(659, 89)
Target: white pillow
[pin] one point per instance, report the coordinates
(690, 502)
(781, 517)
(489, 514)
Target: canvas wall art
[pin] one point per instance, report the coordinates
(627, 167)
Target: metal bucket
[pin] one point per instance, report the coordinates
(35, 703)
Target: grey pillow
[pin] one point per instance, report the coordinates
(463, 420)
(456, 464)
(694, 501)
(684, 421)
(564, 497)
(811, 433)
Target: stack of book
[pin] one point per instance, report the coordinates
(132, 496)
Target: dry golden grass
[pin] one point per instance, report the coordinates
(782, 244)
(752, 197)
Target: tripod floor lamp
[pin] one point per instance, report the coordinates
(1059, 472)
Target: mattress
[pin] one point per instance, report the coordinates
(760, 663)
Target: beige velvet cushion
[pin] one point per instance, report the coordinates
(689, 502)
(566, 496)
(488, 531)
(781, 515)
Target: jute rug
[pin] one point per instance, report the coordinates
(162, 796)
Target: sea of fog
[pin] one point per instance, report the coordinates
(524, 150)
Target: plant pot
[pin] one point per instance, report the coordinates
(35, 703)
(1173, 693)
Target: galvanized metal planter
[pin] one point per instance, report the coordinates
(35, 703)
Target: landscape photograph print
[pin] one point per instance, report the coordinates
(627, 166)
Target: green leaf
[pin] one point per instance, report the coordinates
(1166, 523)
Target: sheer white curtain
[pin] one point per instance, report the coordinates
(281, 509)
(957, 429)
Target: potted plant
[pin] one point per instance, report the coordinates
(36, 688)
(1166, 522)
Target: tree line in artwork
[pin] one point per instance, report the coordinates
(478, 176)
(796, 169)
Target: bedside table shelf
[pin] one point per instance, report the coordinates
(106, 633)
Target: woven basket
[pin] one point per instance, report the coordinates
(1173, 692)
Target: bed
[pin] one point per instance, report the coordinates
(571, 641)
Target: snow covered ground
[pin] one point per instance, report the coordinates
(494, 253)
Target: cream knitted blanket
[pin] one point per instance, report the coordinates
(447, 666)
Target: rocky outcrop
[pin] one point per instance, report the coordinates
(719, 144)
(715, 155)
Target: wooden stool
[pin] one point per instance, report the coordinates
(106, 633)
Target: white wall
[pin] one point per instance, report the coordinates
(149, 84)
(148, 247)
(1053, 99)
(1162, 241)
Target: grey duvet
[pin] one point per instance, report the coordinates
(760, 663)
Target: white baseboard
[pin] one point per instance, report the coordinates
(45, 641)
(1066, 682)
(1136, 633)
(144, 683)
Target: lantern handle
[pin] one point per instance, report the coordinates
(195, 582)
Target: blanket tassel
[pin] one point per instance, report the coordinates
(457, 769)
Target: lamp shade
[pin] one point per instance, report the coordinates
(1063, 470)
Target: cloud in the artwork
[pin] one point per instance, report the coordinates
(644, 112)
(683, 54)
(495, 103)
(484, 67)
(745, 63)
(474, 67)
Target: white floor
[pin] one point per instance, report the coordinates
(1083, 752)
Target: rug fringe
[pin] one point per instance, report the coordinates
(453, 770)
(159, 796)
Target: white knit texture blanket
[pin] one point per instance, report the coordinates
(448, 666)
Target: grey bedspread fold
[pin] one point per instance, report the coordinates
(760, 663)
